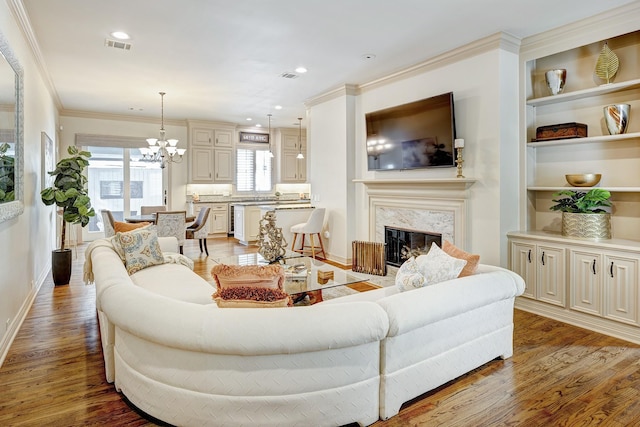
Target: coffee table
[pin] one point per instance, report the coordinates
(310, 279)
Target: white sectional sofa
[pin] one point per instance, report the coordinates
(177, 356)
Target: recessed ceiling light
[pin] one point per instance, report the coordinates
(249, 119)
(278, 107)
(120, 35)
(301, 70)
(258, 125)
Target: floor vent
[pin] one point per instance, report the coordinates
(117, 45)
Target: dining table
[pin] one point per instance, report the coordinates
(152, 218)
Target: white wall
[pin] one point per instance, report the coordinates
(485, 90)
(26, 241)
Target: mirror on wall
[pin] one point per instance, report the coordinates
(11, 134)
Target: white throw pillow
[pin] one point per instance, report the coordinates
(409, 276)
(438, 266)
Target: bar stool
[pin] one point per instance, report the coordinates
(312, 227)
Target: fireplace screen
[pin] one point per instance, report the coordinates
(402, 244)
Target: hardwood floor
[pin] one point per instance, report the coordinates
(559, 375)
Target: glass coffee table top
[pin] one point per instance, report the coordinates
(302, 274)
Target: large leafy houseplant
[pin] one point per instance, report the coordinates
(69, 190)
(583, 215)
(7, 170)
(588, 202)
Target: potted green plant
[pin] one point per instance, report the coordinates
(69, 193)
(7, 167)
(583, 214)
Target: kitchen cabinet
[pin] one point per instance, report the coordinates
(291, 143)
(217, 223)
(210, 153)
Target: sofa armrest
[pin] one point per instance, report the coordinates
(416, 308)
(169, 244)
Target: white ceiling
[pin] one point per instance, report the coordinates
(222, 59)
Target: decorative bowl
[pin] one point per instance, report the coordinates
(583, 179)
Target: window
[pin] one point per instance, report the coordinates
(253, 169)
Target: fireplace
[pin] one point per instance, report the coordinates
(402, 243)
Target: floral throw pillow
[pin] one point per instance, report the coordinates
(409, 276)
(437, 266)
(141, 249)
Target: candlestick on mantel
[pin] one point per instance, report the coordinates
(458, 144)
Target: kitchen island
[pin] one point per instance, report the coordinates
(247, 217)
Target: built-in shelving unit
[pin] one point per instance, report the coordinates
(592, 284)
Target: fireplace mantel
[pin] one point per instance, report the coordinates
(421, 187)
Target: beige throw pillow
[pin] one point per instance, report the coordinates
(141, 249)
(472, 260)
(437, 266)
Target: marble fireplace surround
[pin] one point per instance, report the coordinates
(428, 205)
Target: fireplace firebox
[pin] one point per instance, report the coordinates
(402, 244)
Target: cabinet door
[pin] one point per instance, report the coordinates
(621, 288)
(522, 263)
(302, 168)
(586, 281)
(223, 160)
(290, 142)
(201, 137)
(201, 164)
(219, 222)
(238, 222)
(223, 138)
(289, 166)
(550, 274)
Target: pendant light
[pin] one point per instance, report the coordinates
(300, 155)
(270, 152)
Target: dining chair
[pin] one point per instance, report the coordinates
(148, 210)
(108, 223)
(313, 227)
(172, 223)
(199, 230)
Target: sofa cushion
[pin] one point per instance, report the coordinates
(472, 260)
(251, 297)
(141, 249)
(265, 276)
(175, 281)
(128, 226)
(437, 266)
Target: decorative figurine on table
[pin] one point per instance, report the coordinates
(459, 145)
(270, 239)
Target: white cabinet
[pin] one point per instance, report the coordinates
(246, 223)
(616, 157)
(210, 153)
(217, 223)
(291, 143)
(602, 279)
(219, 218)
(542, 266)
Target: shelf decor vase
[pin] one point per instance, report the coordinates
(586, 225)
(555, 80)
(616, 117)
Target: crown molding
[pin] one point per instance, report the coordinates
(621, 20)
(120, 117)
(22, 19)
(345, 90)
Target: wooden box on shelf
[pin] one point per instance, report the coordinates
(560, 131)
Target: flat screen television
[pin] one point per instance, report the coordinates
(416, 135)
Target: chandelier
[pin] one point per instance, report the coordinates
(162, 150)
